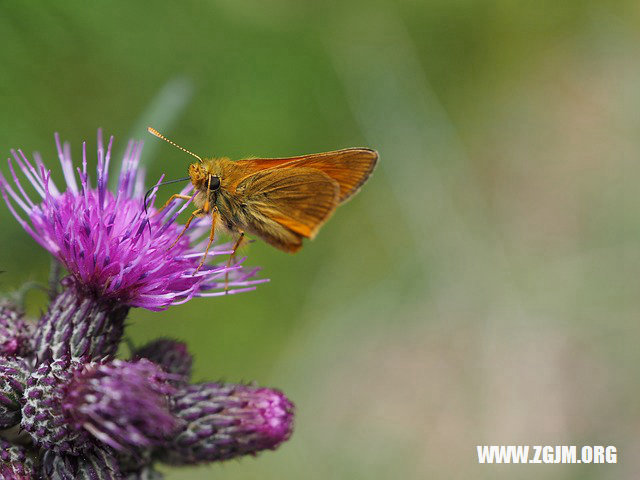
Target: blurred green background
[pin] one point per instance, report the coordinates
(481, 289)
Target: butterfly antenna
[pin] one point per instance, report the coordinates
(153, 131)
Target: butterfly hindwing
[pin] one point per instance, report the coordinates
(287, 205)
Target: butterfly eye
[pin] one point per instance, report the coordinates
(214, 182)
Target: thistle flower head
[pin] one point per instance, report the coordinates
(223, 421)
(106, 240)
(122, 404)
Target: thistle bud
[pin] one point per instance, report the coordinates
(224, 421)
(122, 404)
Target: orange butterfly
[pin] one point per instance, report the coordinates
(280, 200)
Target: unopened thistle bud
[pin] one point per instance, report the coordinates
(224, 421)
(122, 404)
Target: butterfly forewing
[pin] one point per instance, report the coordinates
(350, 167)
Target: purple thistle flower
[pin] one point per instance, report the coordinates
(83, 414)
(122, 404)
(223, 421)
(109, 245)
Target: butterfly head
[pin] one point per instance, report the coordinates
(203, 177)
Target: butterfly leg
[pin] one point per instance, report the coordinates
(171, 199)
(214, 217)
(236, 246)
(186, 225)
